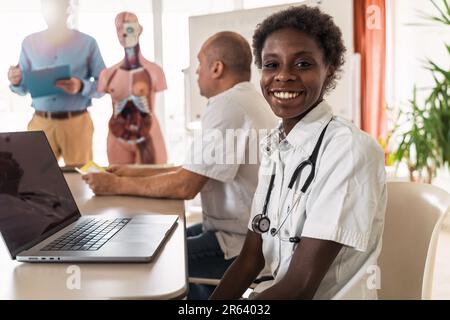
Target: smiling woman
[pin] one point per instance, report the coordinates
(296, 75)
(334, 215)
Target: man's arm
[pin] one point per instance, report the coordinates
(181, 184)
(311, 260)
(243, 270)
(136, 171)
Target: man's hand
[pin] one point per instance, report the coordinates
(120, 170)
(70, 86)
(15, 75)
(103, 183)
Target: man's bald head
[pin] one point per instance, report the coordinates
(232, 49)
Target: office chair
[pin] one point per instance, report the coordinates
(414, 216)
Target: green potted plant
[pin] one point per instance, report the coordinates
(425, 145)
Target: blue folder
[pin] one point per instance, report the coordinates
(41, 82)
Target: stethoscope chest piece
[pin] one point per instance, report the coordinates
(261, 223)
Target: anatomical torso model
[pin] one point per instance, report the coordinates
(134, 132)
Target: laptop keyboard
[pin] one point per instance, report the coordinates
(90, 235)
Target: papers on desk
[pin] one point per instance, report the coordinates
(41, 82)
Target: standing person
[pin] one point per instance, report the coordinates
(63, 117)
(318, 212)
(226, 187)
(134, 132)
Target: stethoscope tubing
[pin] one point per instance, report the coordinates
(311, 161)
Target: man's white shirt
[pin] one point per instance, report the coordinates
(227, 196)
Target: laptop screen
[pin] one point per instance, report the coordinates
(35, 200)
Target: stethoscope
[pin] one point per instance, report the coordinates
(261, 222)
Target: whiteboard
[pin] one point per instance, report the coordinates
(244, 22)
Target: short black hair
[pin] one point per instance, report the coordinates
(232, 49)
(311, 21)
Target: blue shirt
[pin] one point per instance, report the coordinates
(81, 52)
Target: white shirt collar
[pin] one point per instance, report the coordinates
(305, 133)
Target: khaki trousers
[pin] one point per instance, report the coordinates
(69, 138)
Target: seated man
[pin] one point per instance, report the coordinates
(226, 187)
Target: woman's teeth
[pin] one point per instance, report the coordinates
(286, 95)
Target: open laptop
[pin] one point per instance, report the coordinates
(40, 221)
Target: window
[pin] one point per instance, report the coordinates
(15, 111)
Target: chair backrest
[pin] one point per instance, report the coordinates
(414, 214)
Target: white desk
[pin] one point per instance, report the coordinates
(164, 278)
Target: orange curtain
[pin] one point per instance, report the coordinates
(370, 42)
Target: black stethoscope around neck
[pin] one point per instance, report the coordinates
(261, 222)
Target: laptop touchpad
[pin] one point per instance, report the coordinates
(140, 233)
